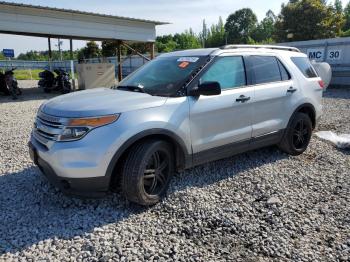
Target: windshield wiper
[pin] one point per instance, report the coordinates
(132, 88)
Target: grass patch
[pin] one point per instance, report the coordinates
(27, 74)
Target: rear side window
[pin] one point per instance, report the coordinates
(228, 71)
(264, 69)
(304, 65)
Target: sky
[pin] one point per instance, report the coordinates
(182, 14)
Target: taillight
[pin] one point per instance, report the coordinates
(321, 83)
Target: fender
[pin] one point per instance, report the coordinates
(184, 159)
(300, 109)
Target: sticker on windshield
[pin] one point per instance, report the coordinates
(184, 65)
(188, 59)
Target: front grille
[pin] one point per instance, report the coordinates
(47, 128)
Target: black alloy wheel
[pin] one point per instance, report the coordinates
(147, 171)
(297, 136)
(300, 135)
(157, 173)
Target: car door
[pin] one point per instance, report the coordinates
(273, 94)
(218, 122)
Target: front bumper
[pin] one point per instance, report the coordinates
(87, 187)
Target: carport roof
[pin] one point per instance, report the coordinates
(83, 12)
(24, 19)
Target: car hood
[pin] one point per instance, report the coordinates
(98, 102)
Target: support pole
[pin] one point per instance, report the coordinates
(50, 53)
(72, 63)
(119, 58)
(152, 50)
(71, 49)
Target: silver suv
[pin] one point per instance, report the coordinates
(180, 110)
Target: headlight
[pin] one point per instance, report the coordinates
(76, 128)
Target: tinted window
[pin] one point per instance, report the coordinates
(228, 71)
(163, 76)
(304, 65)
(264, 69)
(284, 73)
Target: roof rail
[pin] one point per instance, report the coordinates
(274, 47)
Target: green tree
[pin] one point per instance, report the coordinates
(2, 57)
(240, 25)
(141, 47)
(203, 36)
(338, 6)
(347, 17)
(44, 55)
(165, 44)
(187, 40)
(34, 56)
(217, 35)
(308, 19)
(109, 48)
(265, 30)
(91, 50)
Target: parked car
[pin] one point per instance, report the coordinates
(180, 110)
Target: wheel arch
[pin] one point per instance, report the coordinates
(307, 109)
(182, 157)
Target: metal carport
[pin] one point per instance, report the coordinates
(30, 20)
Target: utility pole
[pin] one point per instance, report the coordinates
(59, 43)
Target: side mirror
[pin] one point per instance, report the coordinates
(206, 89)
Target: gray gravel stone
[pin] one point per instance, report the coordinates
(259, 206)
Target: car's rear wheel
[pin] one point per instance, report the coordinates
(297, 136)
(147, 171)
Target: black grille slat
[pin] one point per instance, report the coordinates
(43, 133)
(48, 123)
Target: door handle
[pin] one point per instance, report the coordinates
(243, 99)
(291, 90)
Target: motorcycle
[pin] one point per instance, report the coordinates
(47, 80)
(62, 81)
(9, 84)
(50, 83)
(3, 86)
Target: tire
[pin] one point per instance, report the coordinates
(152, 159)
(66, 88)
(13, 91)
(297, 136)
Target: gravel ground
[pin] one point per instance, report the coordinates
(258, 206)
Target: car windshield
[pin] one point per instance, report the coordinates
(163, 76)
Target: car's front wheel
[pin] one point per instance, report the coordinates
(147, 171)
(297, 136)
